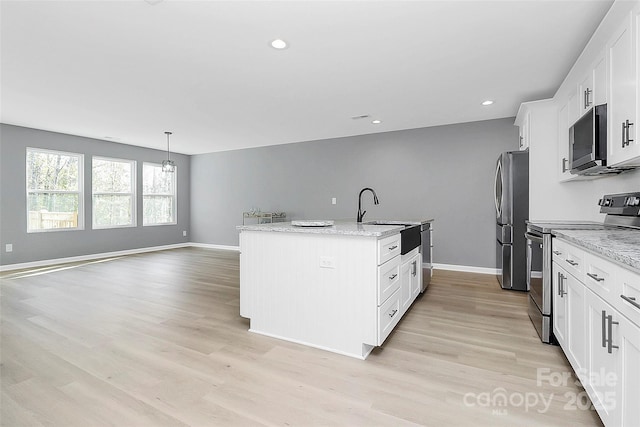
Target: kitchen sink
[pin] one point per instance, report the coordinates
(409, 237)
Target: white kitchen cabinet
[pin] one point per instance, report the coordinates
(622, 146)
(572, 109)
(592, 89)
(564, 163)
(524, 131)
(569, 316)
(599, 329)
(410, 278)
(559, 302)
(603, 363)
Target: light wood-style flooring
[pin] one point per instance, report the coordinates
(156, 340)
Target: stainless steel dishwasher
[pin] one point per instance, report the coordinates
(426, 248)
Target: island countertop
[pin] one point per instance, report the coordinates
(370, 228)
(622, 246)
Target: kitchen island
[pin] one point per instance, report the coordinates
(339, 288)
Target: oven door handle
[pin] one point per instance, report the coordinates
(533, 237)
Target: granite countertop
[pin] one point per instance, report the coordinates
(547, 226)
(348, 228)
(622, 246)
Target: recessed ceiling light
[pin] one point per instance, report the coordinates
(376, 122)
(279, 44)
(487, 102)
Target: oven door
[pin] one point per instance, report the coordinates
(535, 271)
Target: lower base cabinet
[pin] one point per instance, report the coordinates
(410, 279)
(601, 343)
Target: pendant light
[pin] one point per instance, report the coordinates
(168, 165)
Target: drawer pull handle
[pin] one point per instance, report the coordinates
(393, 247)
(393, 276)
(595, 277)
(572, 262)
(393, 313)
(557, 252)
(630, 300)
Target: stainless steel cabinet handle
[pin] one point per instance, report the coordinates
(572, 262)
(564, 164)
(393, 247)
(393, 276)
(559, 284)
(587, 103)
(624, 127)
(557, 252)
(595, 277)
(628, 126)
(414, 268)
(630, 300)
(393, 313)
(604, 328)
(610, 322)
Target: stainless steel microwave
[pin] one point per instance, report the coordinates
(588, 143)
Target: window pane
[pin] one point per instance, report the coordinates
(52, 210)
(157, 209)
(111, 176)
(52, 171)
(155, 181)
(112, 210)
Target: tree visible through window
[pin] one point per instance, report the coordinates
(158, 195)
(54, 190)
(113, 183)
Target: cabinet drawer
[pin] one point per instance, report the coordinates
(388, 316)
(388, 248)
(627, 297)
(600, 277)
(388, 279)
(569, 257)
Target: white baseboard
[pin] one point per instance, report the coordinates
(45, 262)
(210, 246)
(466, 268)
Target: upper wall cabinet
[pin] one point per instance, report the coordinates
(564, 168)
(592, 89)
(523, 121)
(622, 145)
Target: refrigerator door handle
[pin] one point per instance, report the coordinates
(495, 189)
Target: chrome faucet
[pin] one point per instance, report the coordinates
(375, 202)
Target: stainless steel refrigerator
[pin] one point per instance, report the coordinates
(511, 197)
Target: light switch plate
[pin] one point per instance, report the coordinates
(8, 247)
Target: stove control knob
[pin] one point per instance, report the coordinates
(601, 202)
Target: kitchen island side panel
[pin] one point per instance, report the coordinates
(286, 293)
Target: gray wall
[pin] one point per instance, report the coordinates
(58, 244)
(444, 172)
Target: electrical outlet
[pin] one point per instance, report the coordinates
(184, 233)
(327, 262)
(333, 201)
(8, 247)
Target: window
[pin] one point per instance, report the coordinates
(114, 197)
(54, 190)
(158, 195)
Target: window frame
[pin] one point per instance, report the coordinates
(174, 195)
(133, 193)
(79, 191)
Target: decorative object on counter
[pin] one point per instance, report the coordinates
(168, 165)
(375, 202)
(312, 223)
(263, 217)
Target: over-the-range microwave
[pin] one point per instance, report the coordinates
(588, 144)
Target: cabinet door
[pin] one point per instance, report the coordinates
(572, 108)
(622, 97)
(416, 276)
(629, 377)
(559, 276)
(585, 93)
(577, 331)
(564, 166)
(405, 287)
(525, 132)
(602, 381)
(600, 81)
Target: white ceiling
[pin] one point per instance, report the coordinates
(129, 70)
